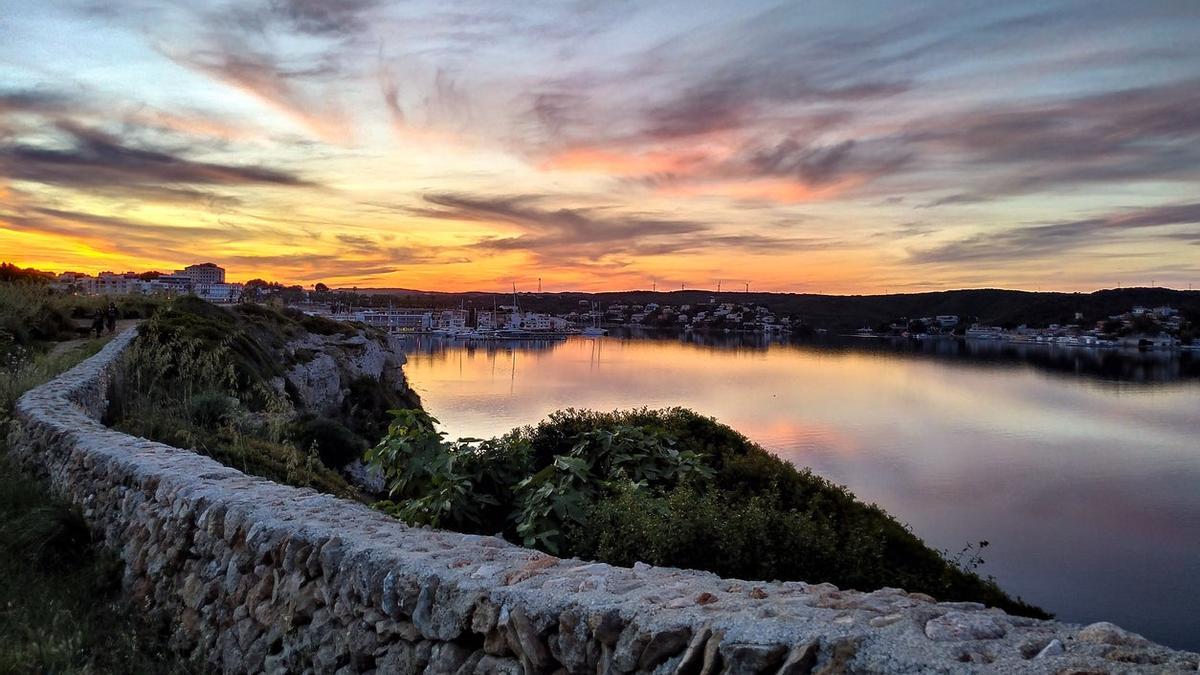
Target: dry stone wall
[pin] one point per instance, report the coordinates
(257, 576)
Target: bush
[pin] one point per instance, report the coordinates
(33, 312)
(668, 487)
(336, 445)
(193, 367)
(209, 408)
(53, 536)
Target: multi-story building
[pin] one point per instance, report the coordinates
(203, 274)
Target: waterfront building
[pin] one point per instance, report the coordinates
(395, 320)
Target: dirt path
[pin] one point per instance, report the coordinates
(69, 345)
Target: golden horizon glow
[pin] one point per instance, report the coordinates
(376, 144)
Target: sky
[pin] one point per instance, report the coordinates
(826, 147)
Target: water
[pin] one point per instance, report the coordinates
(1081, 468)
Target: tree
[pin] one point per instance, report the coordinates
(321, 288)
(10, 272)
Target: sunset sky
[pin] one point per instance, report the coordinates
(836, 147)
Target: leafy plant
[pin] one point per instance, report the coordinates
(668, 487)
(429, 479)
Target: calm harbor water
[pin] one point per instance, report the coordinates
(1081, 468)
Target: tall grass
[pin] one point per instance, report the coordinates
(187, 391)
(61, 609)
(60, 604)
(22, 369)
(32, 314)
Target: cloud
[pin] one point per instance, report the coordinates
(95, 161)
(572, 235)
(116, 235)
(323, 17)
(1058, 239)
(38, 101)
(954, 199)
(263, 77)
(1139, 134)
(818, 165)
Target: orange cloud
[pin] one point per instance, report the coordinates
(618, 163)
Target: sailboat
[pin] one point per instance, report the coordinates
(594, 330)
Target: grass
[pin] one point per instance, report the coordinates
(189, 392)
(208, 378)
(60, 604)
(25, 368)
(61, 609)
(33, 314)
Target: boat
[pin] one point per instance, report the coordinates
(594, 330)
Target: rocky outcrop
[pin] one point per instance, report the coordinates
(323, 366)
(257, 576)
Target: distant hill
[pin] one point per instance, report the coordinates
(986, 305)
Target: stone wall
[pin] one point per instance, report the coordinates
(256, 576)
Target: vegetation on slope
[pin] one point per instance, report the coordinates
(33, 315)
(666, 487)
(201, 376)
(61, 610)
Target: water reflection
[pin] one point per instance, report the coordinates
(1080, 467)
(1127, 365)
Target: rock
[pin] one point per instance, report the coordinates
(524, 639)
(693, 656)
(1055, 648)
(885, 620)
(491, 665)
(629, 648)
(706, 599)
(1104, 632)
(608, 627)
(841, 654)
(953, 626)
(446, 659)
(571, 646)
(664, 645)
(750, 659)
(801, 659)
(712, 654)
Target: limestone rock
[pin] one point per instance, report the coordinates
(1104, 632)
(953, 626)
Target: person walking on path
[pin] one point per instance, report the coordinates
(98, 323)
(110, 318)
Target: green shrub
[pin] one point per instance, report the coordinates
(668, 487)
(210, 408)
(336, 445)
(32, 313)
